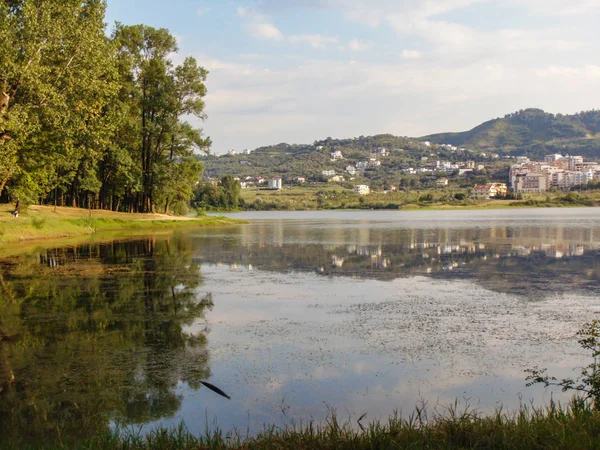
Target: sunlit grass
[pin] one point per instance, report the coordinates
(41, 222)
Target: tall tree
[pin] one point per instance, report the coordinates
(159, 95)
(57, 78)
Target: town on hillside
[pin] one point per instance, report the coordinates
(419, 165)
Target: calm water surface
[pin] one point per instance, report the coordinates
(294, 315)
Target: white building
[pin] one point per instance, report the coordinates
(489, 190)
(559, 172)
(328, 173)
(362, 165)
(336, 155)
(362, 189)
(276, 183)
(552, 158)
(351, 170)
(573, 161)
(531, 183)
(373, 163)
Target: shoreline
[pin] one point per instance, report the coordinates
(329, 198)
(484, 207)
(572, 425)
(44, 223)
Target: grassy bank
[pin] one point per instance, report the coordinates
(43, 222)
(555, 427)
(337, 197)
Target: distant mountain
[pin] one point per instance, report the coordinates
(527, 130)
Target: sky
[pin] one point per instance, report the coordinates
(297, 71)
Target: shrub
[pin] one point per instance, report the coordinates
(588, 382)
(38, 223)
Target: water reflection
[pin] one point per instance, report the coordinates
(360, 315)
(520, 259)
(93, 334)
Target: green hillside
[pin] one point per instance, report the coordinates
(532, 132)
(310, 160)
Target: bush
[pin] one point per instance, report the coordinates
(588, 382)
(38, 223)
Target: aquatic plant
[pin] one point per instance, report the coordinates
(587, 384)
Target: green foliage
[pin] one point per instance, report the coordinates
(222, 196)
(556, 427)
(38, 223)
(569, 199)
(587, 384)
(110, 354)
(532, 132)
(91, 121)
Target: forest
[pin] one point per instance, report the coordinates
(92, 117)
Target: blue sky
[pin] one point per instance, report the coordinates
(299, 70)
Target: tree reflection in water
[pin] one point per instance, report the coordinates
(94, 334)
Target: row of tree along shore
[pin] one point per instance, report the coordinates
(92, 120)
(227, 195)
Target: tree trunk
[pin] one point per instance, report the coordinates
(6, 179)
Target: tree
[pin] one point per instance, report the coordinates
(57, 79)
(158, 95)
(90, 121)
(231, 191)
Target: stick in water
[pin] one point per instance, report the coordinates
(212, 387)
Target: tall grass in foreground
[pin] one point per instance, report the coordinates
(576, 426)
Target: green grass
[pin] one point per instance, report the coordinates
(576, 426)
(38, 222)
(337, 197)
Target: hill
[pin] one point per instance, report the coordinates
(531, 132)
(312, 159)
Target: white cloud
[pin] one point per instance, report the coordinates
(359, 46)
(589, 72)
(251, 104)
(266, 31)
(315, 40)
(253, 56)
(444, 66)
(202, 10)
(559, 7)
(369, 12)
(411, 54)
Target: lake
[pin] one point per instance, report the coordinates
(294, 315)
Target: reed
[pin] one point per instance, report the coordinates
(574, 426)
